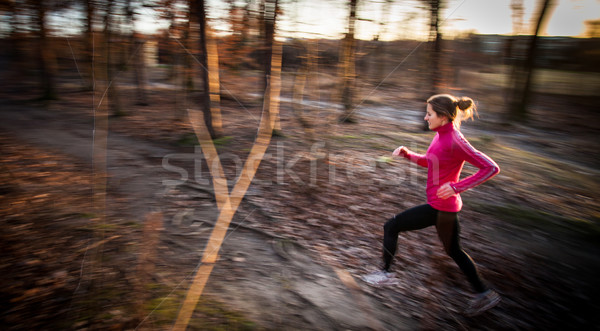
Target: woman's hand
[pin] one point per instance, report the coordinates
(445, 191)
(400, 151)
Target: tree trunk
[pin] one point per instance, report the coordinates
(99, 148)
(348, 68)
(436, 37)
(45, 54)
(16, 54)
(435, 40)
(214, 85)
(306, 84)
(275, 86)
(268, 17)
(272, 61)
(188, 78)
(524, 76)
(140, 70)
(112, 95)
(203, 61)
(298, 92)
(137, 50)
(380, 47)
(88, 56)
(244, 34)
(183, 65)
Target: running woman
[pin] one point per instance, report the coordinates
(444, 161)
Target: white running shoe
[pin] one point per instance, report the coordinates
(482, 302)
(381, 278)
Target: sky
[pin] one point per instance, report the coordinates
(406, 18)
(329, 17)
(494, 16)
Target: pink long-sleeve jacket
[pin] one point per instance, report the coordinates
(444, 160)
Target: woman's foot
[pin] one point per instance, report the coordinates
(381, 278)
(482, 302)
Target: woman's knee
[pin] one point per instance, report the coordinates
(389, 225)
(455, 252)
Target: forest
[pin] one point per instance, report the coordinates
(224, 172)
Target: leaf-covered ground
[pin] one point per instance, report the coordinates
(314, 211)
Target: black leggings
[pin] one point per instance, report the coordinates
(448, 230)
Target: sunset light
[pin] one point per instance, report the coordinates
(299, 165)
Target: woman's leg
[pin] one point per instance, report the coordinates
(448, 230)
(412, 219)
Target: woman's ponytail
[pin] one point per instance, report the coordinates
(467, 109)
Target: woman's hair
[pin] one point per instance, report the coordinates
(455, 109)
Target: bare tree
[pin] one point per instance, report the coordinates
(246, 16)
(182, 47)
(239, 20)
(174, 39)
(190, 45)
(112, 90)
(434, 56)
(15, 43)
(136, 47)
(511, 48)
(348, 67)
(298, 89)
(45, 53)
(214, 85)
(518, 10)
(524, 73)
(88, 47)
(592, 28)
(380, 46)
(268, 19)
(205, 102)
(435, 40)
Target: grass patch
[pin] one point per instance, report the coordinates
(214, 315)
(529, 219)
(87, 215)
(222, 141)
(209, 313)
(188, 139)
(109, 227)
(345, 137)
(95, 226)
(133, 224)
(540, 170)
(385, 160)
(164, 309)
(486, 139)
(104, 227)
(100, 302)
(552, 81)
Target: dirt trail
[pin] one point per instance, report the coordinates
(270, 279)
(538, 262)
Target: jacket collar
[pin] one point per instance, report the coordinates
(445, 128)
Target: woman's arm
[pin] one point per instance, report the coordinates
(487, 167)
(411, 156)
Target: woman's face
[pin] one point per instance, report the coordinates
(433, 119)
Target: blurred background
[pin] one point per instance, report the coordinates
(107, 199)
